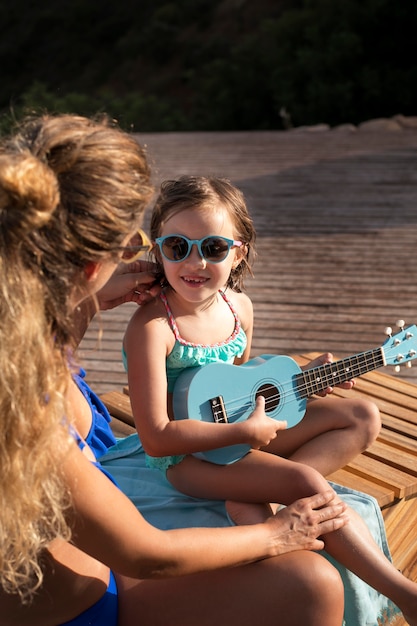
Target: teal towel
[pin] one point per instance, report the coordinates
(165, 507)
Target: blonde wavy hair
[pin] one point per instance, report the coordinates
(71, 190)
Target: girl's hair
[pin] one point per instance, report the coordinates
(201, 192)
(71, 191)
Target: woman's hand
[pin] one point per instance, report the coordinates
(137, 282)
(299, 525)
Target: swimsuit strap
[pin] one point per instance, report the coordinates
(174, 326)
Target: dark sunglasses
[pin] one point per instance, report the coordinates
(212, 249)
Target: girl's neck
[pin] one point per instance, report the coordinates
(181, 306)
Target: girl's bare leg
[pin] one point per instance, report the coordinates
(267, 593)
(356, 550)
(332, 432)
(244, 513)
(269, 478)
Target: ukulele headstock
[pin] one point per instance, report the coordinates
(401, 348)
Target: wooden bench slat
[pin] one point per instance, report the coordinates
(402, 483)
(383, 494)
(399, 426)
(398, 440)
(387, 400)
(400, 525)
(389, 381)
(118, 405)
(392, 457)
(390, 404)
(120, 428)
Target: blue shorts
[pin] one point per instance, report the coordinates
(103, 613)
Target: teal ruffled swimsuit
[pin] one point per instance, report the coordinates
(186, 354)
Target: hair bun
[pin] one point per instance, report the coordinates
(29, 193)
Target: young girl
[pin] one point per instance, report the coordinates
(204, 242)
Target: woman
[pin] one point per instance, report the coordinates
(73, 548)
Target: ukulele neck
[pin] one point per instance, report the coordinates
(319, 378)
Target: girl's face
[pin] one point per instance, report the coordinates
(194, 278)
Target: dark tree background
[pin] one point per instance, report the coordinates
(157, 65)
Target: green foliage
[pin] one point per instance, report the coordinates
(161, 65)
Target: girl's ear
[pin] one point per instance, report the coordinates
(240, 254)
(91, 270)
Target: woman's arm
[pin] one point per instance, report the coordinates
(108, 527)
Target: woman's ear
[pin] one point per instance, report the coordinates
(92, 270)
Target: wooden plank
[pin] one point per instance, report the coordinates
(120, 428)
(119, 406)
(383, 494)
(403, 484)
(395, 424)
(392, 457)
(398, 440)
(400, 525)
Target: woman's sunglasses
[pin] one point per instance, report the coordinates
(138, 245)
(212, 249)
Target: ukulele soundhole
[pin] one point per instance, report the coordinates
(271, 395)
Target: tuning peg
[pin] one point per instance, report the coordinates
(388, 331)
(397, 368)
(400, 324)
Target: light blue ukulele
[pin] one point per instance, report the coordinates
(224, 393)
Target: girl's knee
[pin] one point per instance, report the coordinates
(306, 481)
(366, 420)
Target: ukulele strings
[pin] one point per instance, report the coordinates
(287, 389)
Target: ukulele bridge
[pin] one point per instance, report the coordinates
(218, 410)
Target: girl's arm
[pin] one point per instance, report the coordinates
(107, 526)
(147, 341)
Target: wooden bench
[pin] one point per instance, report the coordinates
(387, 470)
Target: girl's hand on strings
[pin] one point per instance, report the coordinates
(261, 429)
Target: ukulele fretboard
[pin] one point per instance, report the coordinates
(319, 378)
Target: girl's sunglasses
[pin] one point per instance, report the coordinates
(138, 245)
(212, 249)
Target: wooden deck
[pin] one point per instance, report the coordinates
(336, 217)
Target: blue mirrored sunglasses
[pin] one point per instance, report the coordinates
(213, 249)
